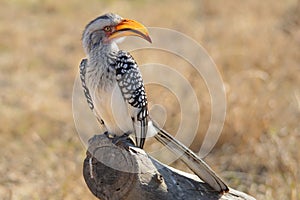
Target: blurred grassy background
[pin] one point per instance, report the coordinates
(255, 44)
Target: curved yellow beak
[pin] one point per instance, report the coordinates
(128, 27)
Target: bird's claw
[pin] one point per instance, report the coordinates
(123, 141)
(109, 135)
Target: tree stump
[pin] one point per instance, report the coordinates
(127, 172)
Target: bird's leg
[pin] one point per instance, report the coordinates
(118, 140)
(123, 141)
(109, 135)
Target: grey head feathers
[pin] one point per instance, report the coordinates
(94, 34)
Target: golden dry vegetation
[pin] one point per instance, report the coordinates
(255, 44)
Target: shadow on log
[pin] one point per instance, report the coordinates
(117, 172)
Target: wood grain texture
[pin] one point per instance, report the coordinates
(126, 172)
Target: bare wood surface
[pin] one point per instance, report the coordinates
(119, 172)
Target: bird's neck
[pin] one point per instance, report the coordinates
(101, 54)
(101, 65)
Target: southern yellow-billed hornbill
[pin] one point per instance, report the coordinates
(115, 92)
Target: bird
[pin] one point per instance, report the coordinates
(113, 86)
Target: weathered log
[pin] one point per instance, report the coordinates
(127, 172)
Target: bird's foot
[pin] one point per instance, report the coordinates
(122, 141)
(109, 135)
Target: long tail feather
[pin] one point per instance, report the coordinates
(196, 164)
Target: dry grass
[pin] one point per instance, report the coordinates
(255, 44)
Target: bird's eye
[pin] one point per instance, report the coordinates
(107, 28)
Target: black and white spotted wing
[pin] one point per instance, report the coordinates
(132, 87)
(82, 71)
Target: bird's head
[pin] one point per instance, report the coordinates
(106, 28)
